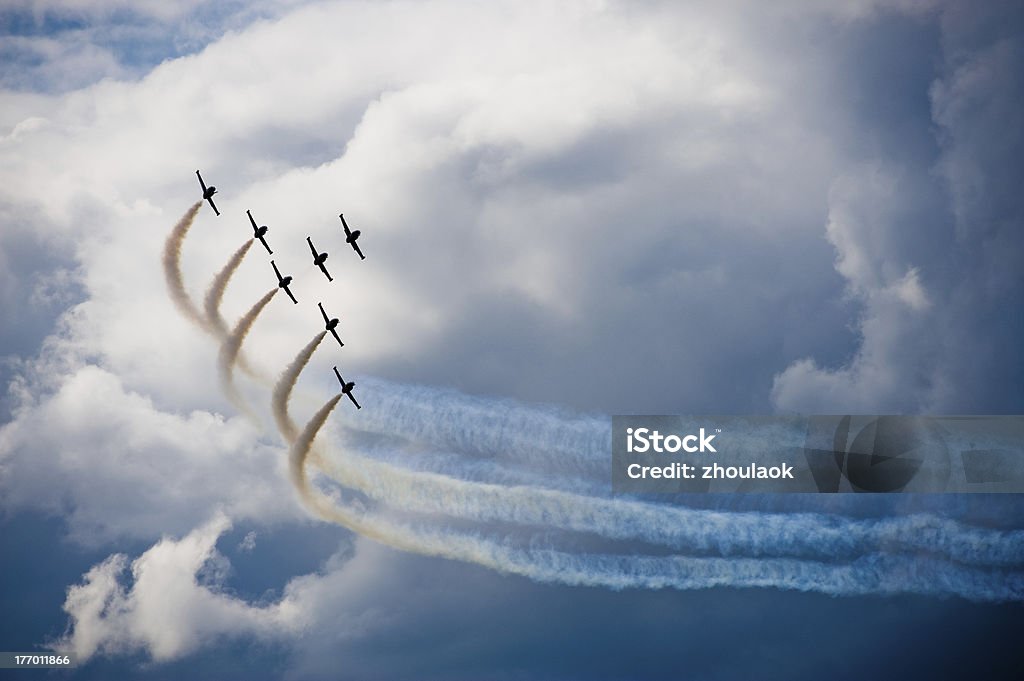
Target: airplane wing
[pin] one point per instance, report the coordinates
(264, 242)
(213, 205)
(276, 271)
(323, 313)
(344, 224)
(340, 379)
(288, 291)
(323, 268)
(311, 248)
(337, 337)
(201, 183)
(254, 227)
(356, 246)
(353, 398)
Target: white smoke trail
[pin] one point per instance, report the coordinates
(487, 427)
(676, 527)
(231, 346)
(172, 268)
(869, 574)
(680, 528)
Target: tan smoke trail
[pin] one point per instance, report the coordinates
(172, 268)
(231, 346)
(214, 296)
(379, 529)
(304, 442)
(283, 389)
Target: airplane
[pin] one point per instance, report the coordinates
(346, 388)
(330, 324)
(318, 259)
(259, 232)
(350, 236)
(282, 282)
(208, 192)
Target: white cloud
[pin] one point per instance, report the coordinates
(117, 466)
(443, 161)
(895, 362)
(248, 542)
(165, 610)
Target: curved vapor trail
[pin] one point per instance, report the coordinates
(759, 534)
(284, 386)
(215, 294)
(871, 574)
(231, 346)
(302, 443)
(172, 268)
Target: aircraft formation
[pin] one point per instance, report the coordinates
(284, 282)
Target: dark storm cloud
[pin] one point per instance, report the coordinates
(955, 226)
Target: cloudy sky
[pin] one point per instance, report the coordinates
(569, 210)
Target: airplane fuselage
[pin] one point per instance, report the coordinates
(261, 231)
(347, 388)
(333, 324)
(285, 281)
(351, 238)
(210, 191)
(320, 259)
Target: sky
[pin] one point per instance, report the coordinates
(568, 210)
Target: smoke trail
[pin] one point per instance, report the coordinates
(172, 268)
(519, 443)
(680, 528)
(304, 442)
(231, 346)
(214, 296)
(211, 303)
(868, 574)
(486, 427)
(478, 424)
(283, 389)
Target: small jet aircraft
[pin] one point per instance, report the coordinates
(351, 236)
(208, 192)
(330, 324)
(319, 259)
(346, 388)
(259, 232)
(282, 282)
